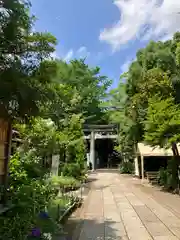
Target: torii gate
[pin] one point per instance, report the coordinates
(99, 132)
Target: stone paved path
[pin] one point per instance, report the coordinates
(119, 207)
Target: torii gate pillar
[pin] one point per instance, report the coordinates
(92, 150)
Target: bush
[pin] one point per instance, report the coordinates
(75, 170)
(162, 177)
(23, 168)
(126, 167)
(58, 206)
(168, 178)
(165, 179)
(65, 183)
(29, 193)
(29, 200)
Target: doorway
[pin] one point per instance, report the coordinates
(105, 154)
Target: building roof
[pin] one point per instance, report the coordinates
(148, 151)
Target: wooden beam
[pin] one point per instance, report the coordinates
(108, 136)
(99, 130)
(94, 126)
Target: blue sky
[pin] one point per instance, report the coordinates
(107, 32)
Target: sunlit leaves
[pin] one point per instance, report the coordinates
(24, 76)
(152, 88)
(162, 126)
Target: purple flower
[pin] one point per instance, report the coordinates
(43, 215)
(36, 232)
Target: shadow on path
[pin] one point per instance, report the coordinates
(93, 229)
(90, 179)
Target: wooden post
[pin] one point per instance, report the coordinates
(136, 164)
(5, 144)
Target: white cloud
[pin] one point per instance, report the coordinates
(144, 19)
(82, 49)
(82, 52)
(69, 55)
(125, 66)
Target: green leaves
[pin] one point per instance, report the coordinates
(24, 76)
(162, 126)
(116, 111)
(32, 84)
(49, 101)
(151, 109)
(87, 88)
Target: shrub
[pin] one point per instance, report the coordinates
(162, 177)
(168, 178)
(75, 170)
(29, 193)
(28, 201)
(165, 178)
(23, 168)
(126, 167)
(65, 183)
(58, 205)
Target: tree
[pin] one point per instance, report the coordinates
(155, 71)
(162, 128)
(153, 75)
(25, 76)
(55, 98)
(83, 88)
(115, 107)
